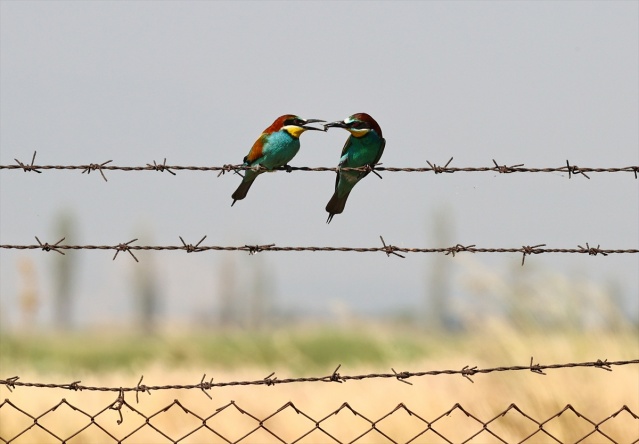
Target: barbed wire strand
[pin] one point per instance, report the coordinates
(271, 380)
(226, 168)
(525, 250)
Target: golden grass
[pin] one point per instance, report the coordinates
(594, 393)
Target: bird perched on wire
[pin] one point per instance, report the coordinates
(277, 145)
(364, 147)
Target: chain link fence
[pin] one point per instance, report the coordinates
(121, 421)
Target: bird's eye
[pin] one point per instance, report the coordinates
(358, 125)
(294, 121)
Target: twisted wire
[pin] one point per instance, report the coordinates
(525, 250)
(432, 167)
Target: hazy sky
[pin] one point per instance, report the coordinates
(196, 82)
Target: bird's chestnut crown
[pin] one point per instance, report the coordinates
(358, 125)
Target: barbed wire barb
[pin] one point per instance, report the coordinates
(593, 251)
(457, 248)
(28, 168)
(402, 376)
(94, 166)
(140, 388)
(75, 386)
(206, 385)
(438, 169)
(125, 247)
(10, 384)
(47, 247)
(536, 368)
(190, 248)
(269, 380)
(371, 169)
(467, 372)
(574, 169)
(335, 377)
(227, 168)
(503, 169)
(527, 250)
(253, 249)
(603, 365)
(390, 249)
(160, 167)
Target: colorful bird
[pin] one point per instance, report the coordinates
(364, 147)
(277, 145)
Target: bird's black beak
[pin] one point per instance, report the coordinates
(305, 126)
(338, 124)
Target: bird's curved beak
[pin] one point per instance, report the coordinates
(305, 126)
(338, 124)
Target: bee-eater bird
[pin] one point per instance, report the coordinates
(277, 145)
(364, 147)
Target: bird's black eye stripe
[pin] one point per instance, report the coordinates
(358, 125)
(294, 121)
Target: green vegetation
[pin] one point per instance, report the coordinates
(299, 350)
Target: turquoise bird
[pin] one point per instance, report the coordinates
(364, 147)
(277, 145)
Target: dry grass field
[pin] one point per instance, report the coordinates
(594, 393)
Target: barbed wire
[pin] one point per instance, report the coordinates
(271, 380)
(525, 250)
(226, 168)
(466, 426)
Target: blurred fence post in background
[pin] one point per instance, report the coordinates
(28, 295)
(64, 272)
(260, 304)
(438, 315)
(227, 293)
(145, 288)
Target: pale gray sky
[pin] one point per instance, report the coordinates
(196, 82)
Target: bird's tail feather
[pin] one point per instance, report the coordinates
(335, 205)
(242, 190)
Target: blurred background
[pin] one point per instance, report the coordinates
(197, 82)
(531, 83)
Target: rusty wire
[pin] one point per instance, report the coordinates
(524, 250)
(271, 380)
(321, 427)
(432, 167)
(374, 426)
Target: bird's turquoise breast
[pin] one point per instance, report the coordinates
(364, 150)
(279, 149)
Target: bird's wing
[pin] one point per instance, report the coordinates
(347, 145)
(343, 160)
(380, 152)
(256, 150)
